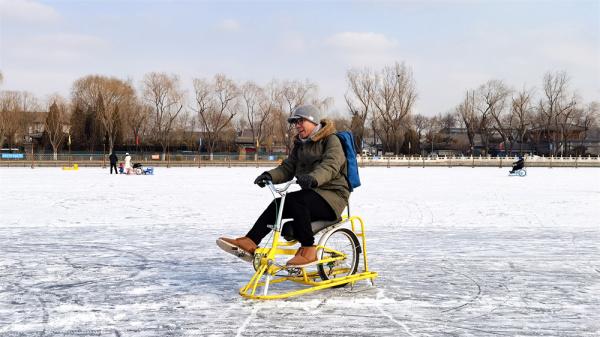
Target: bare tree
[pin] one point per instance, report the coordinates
(184, 127)
(118, 98)
(589, 119)
(137, 119)
(469, 118)
(447, 120)
(55, 123)
(522, 111)
(285, 97)
(322, 103)
(163, 93)
(86, 130)
(555, 109)
(106, 98)
(277, 130)
(9, 116)
(489, 99)
(215, 107)
(433, 126)
(567, 119)
(394, 98)
(494, 94)
(297, 93)
(420, 124)
(16, 112)
(292, 95)
(269, 110)
(258, 109)
(386, 122)
(359, 99)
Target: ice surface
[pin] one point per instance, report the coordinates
(459, 251)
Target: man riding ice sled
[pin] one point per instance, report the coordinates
(318, 162)
(519, 164)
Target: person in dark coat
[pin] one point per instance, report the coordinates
(318, 162)
(519, 164)
(113, 162)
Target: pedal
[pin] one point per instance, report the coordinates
(239, 253)
(294, 271)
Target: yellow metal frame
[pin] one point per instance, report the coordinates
(267, 269)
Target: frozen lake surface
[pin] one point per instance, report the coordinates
(459, 251)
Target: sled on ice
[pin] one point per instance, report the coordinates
(340, 246)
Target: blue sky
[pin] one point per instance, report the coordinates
(451, 46)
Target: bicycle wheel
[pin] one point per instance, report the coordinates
(344, 241)
(522, 172)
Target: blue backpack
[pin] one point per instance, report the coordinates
(347, 140)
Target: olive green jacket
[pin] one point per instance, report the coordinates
(321, 156)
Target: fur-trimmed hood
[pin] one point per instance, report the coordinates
(327, 129)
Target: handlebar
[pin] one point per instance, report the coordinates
(282, 190)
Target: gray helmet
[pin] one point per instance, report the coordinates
(308, 112)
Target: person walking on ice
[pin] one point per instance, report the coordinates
(128, 168)
(113, 162)
(318, 162)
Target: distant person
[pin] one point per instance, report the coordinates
(128, 168)
(519, 164)
(121, 168)
(113, 162)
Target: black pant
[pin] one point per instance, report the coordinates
(303, 206)
(516, 167)
(115, 166)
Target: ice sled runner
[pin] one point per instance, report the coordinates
(339, 249)
(520, 172)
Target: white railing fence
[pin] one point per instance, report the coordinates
(188, 160)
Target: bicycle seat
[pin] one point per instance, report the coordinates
(288, 232)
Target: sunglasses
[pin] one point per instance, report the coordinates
(299, 121)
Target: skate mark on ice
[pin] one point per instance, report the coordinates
(24, 292)
(380, 297)
(439, 322)
(418, 215)
(320, 305)
(64, 286)
(45, 314)
(506, 298)
(474, 298)
(250, 317)
(139, 265)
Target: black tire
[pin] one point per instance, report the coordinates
(345, 241)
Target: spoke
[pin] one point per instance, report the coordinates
(339, 242)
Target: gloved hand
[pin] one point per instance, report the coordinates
(262, 179)
(306, 181)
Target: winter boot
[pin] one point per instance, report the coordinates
(242, 247)
(305, 256)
